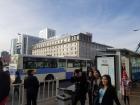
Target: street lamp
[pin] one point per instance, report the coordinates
(136, 30)
(138, 43)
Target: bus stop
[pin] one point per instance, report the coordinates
(112, 61)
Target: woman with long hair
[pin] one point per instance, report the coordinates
(107, 93)
(96, 85)
(90, 79)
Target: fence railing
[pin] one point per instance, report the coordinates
(47, 90)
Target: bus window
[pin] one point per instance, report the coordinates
(89, 64)
(39, 65)
(76, 63)
(45, 64)
(70, 63)
(52, 63)
(29, 65)
(82, 63)
(62, 63)
(73, 63)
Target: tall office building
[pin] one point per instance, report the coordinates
(23, 44)
(13, 46)
(47, 33)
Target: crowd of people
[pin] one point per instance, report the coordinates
(99, 88)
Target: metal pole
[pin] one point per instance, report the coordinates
(13, 94)
(48, 88)
(22, 95)
(52, 87)
(44, 90)
(39, 91)
(57, 86)
(19, 95)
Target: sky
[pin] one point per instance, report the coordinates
(110, 21)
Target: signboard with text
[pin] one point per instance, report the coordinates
(106, 65)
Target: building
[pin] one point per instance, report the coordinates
(47, 33)
(79, 45)
(5, 57)
(23, 44)
(13, 46)
(99, 48)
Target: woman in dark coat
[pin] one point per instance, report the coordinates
(107, 93)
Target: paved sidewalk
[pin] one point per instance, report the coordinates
(134, 98)
(49, 102)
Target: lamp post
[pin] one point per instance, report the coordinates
(138, 43)
(136, 30)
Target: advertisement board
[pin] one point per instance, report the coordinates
(125, 66)
(106, 65)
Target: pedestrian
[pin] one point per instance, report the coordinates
(96, 86)
(107, 93)
(90, 79)
(80, 81)
(31, 84)
(125, 88)
(94, 68)
(4, 85)
(17, 83)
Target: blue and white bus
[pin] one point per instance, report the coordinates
(47, 66)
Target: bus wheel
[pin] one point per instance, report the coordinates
(49, 77)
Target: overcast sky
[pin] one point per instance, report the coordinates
(111, 21)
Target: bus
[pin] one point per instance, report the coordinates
(47, 67)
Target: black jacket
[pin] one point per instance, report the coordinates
(81, 86)
(4, 85)
(31, 84)
(110, 96)
(17, 80)
(90, 83)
